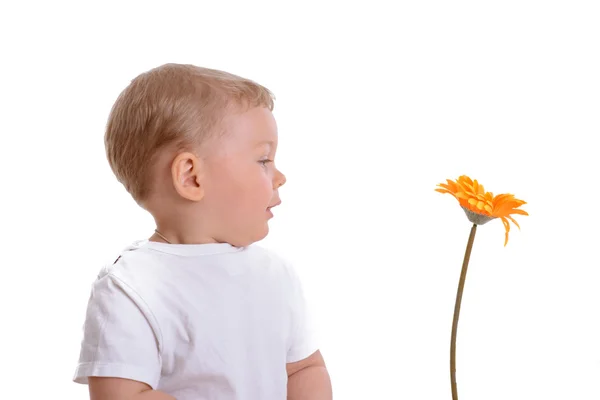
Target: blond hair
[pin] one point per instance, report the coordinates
(174, 104)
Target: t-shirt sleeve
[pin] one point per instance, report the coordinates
(120, 339)
(303, 341)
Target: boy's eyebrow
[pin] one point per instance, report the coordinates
(262, 143)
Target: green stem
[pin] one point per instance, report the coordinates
(461, 285)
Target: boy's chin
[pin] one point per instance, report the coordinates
(263, 233)
(256, 236)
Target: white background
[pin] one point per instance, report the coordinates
(376, 103)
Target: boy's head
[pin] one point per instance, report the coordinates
(195, 147)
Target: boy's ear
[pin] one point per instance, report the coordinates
(186, 172)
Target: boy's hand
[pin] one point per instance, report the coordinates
(308, 379)
(123, 389)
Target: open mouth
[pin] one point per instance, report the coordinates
(274, 205)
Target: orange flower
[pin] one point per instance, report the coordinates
(481, 206)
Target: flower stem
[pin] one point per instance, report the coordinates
(461, 285)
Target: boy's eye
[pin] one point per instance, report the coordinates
(265, 162)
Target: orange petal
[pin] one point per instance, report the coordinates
(520, 212)
(513, 221)
(507, 229)
(452, 183)
(466, 179)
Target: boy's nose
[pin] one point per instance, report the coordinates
(279, 180)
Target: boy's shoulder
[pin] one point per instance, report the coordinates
(113, 263)
(274, 256)
(144, 257)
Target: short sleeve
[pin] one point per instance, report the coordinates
(303, 341)
(119, 339)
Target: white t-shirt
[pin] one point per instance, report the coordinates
(207, 321)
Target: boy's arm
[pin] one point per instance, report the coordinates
(120, 356)
(308, 379)
(123, 389)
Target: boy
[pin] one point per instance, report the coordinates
(196, 311)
